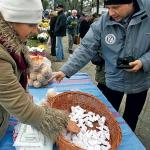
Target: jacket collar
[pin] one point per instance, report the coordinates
(13, 41)
(74, 17)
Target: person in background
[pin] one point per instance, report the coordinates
(122, 35)
(82, 17)
(72, 29)
(46, 14)
(18, 20)
(84, 26)
(60, 31)
(53, 18)
(94, 18)
(68, 13)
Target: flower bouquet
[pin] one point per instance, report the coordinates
(43, 26)
(74, 24)
(40, 50)
(42, 37)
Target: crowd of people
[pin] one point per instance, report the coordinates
(69, 24)
(76, 25)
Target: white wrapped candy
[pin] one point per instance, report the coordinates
(87, 138)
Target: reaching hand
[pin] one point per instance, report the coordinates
(72, 127)
(59, 76)
(136, 66)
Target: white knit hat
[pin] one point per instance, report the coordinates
(21, 11)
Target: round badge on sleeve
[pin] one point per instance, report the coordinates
(110, 39)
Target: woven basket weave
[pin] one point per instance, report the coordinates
(65, 100)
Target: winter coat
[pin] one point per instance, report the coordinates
(60, 25)
(52, 25)
(14, 100)
(117, 41)
(84, 27)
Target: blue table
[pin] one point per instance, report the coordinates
(82, 82)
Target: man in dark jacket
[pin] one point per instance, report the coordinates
(53, 19)
(60, 31)
(84, 26)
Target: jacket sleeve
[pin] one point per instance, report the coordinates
(14, 99)
(84, 53)
(145, 61)
(81, 26)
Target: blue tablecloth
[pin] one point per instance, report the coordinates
(78, 82)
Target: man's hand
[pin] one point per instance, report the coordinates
(136, 66)
(59, 76)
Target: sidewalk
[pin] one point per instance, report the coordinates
(143, 127)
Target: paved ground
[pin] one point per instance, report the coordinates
(143, 127)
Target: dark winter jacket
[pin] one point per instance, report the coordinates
(52, 25)
(84, 27)
(60, 26)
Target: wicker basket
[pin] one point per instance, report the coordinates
(65, 100)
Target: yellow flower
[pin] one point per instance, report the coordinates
(45, 20)
(42, 46)
(44, 24)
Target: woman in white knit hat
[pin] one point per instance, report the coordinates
(18, 19)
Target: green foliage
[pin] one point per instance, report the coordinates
(69, 4)
(79, 4)
(32, 43)
(45, 4)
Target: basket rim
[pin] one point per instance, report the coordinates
(52, 100)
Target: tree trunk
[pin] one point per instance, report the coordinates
(97, 3)
(81, 6)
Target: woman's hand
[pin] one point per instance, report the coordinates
(72, 127)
